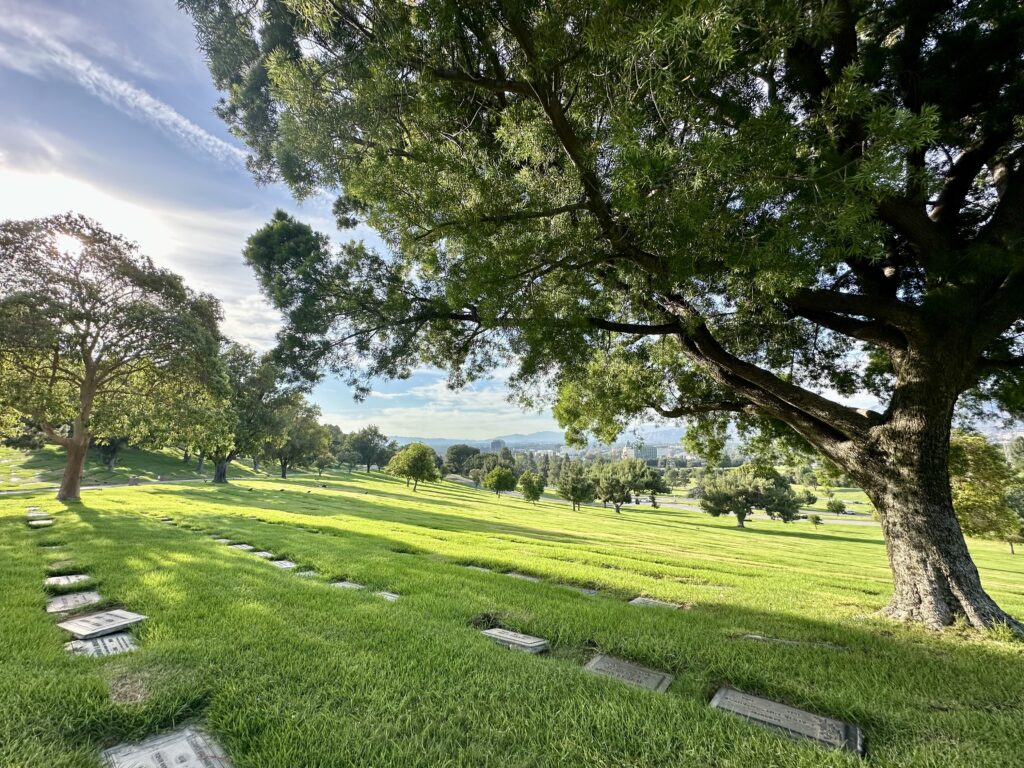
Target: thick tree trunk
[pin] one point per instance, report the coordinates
(200, 462)
(71, 483)
(220, 471)
(284, 469)
(934, 578)
(186, 456)
(255, 464)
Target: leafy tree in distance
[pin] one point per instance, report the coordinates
(815, 520)
(456, 456)
(305, 438)
(371, 445)
(783, 198)
(836, 506)
(980, 477)
(531, 486)
(574, 485)
(500, 479)
(92, 333)
(325, 460)
(742, 490)
(415, 462)
(613, 487)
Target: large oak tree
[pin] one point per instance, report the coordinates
(718, 209)
(93, 336)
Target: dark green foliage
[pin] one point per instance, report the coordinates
(531, 485)
(740, 491)
(415, 462)
(372, 446)
(457, 456)
(574, 485)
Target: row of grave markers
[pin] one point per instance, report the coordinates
(103, 634)
(795, 723)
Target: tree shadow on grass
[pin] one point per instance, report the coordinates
(241, 626)
(279, 502)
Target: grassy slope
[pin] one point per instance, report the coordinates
(43, 468)
(288, 671)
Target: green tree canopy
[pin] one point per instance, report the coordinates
(531, 485)
(500, 479)
(574, 485)
(372, 446)
(742, 490)
(415, 462)
(305, 437)
(457, 456)
(981, 476)
(93, 336)
(705, 211)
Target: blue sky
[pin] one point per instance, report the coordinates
(108, 110)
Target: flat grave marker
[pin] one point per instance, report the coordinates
(307, 573)
(108, 645)
(36, 514)
(391, 597)
(50, 546)
(517, 641)
(523, 576)
(66, 581)
(284, 564)
(650, 602)
(222, 541)
(244, 547)
(57, 564)
(98, 624)
(265, 555)
(40, 523)
(782, 641)
(187, 748)
(478, 568)
(628, 672)
(65, 603)
(795, 723)
(346, 585)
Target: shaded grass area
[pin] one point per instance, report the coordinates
(45, 467)
(290, 671)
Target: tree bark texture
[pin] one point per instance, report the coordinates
(71, 483)
(220, 471)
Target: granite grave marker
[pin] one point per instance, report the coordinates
(66, 581)
(64, 603)
(187, 748)
(108, 645)
(628, 672)
(102, 623)
(517, 641)
(795, 723)
(650, 602)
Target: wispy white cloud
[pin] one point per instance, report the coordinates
(29, 49)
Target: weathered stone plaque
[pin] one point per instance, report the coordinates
(346, 585)
(285, 564)
(108, 645)
(391, 597)
(523, 576)
(65, 603)
(781, 641)
(223, 541)
(628, 672)
(55, 565)
(265, 555)
(650, 602)
(188, 748)
(98, 624)
(40, 523)
(306, 573)
(35, 514)
(794, 722)
(243, 547)
(517, 641)
(66, 581)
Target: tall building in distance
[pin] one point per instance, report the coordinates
(647, 452)
(497, 445)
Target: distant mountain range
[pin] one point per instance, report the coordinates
(551, 439)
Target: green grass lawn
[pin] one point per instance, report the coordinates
(44, 468)
(287, 671)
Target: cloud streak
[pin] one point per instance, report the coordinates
(33, 52)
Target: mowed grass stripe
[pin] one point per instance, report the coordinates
(288, 670)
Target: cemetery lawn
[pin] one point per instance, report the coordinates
(44, 468)
(289, 671)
